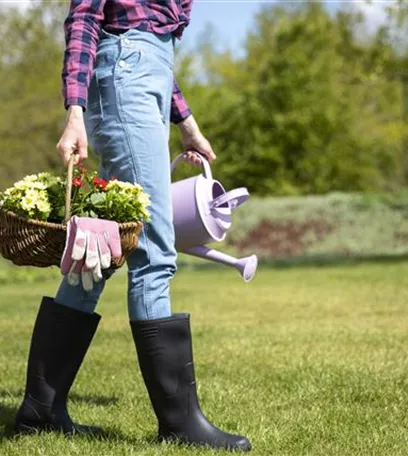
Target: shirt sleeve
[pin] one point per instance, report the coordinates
(179, 107)
(82, 27)
(187, 5)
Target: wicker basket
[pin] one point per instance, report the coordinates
(28, 242)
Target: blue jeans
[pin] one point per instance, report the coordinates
(128, 122)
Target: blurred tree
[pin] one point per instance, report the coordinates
(397, 23)
(310, 108)
(32, 114)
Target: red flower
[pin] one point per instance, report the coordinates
(82, 169)
(77, 181)
(99, 183)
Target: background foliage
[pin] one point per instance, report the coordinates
(314, 104)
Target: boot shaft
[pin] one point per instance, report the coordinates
(164, 350)
(59, 342)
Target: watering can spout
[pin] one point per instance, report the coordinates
(246, 266)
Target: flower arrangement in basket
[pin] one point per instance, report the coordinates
(34, 213)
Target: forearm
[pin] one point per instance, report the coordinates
(188, 127)
(75, 112)
(82, 27)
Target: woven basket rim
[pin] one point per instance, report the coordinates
(59, 226)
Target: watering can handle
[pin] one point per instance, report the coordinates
(204, 162)
(234, 198)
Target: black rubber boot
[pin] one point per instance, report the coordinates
(165, 355)
(60, 340)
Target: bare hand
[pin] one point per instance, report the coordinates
(194, 141)
(74, 139)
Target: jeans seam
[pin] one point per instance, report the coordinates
(123, 123)
(97, 105)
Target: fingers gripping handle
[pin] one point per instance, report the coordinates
(204, 162)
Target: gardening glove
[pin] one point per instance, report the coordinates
(91, 243)
(79, 272)
(73, 269)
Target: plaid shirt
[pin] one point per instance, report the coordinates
(82, 28)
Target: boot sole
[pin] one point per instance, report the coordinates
(26, 429)
(173, 439)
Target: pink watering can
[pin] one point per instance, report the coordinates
(202, 213)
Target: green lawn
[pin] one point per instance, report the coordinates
(305, 361)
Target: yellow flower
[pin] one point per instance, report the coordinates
(144, 199)
(9, 192)
(30, 178)
(29, 182)
(121, 185)
(21, 185)
(27, 203)
(43, 206)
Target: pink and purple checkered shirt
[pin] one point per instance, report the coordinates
(82, 28)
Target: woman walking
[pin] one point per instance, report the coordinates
(120, 93)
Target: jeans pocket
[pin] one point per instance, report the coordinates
(94, 114)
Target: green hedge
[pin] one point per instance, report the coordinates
(337, 224)
(332, 227)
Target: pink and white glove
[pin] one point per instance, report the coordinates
(90, 246)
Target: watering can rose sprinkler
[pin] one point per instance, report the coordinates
(202, 214)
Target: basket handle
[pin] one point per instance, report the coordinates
(68, 189)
